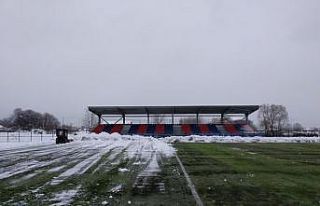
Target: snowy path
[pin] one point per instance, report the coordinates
(55, 170)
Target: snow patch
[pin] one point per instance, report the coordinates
(57, 169)
(65, 197)
(117, 189)
(123, 170)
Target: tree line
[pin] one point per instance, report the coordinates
(29, 119)
(274, 120)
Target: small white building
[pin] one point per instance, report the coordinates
(2, 128)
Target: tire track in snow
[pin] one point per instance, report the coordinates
(78, 169)
(113, 159)
(39, 154)
(32, 161)
(148, 178)
(65, 197)
(84, 165)
(32, 164)
(77, 158)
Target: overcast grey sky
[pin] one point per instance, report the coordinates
(59, 56)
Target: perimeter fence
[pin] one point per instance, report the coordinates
(27, 136)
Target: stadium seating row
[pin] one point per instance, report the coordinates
(177, 130)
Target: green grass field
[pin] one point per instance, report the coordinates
(254, 174)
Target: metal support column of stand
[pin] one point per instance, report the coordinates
(99, 116)
(197, 118)
(222, 117)
(172, 119)
(247, 118)
(123, 118)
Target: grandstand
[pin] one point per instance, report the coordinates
(161, 121)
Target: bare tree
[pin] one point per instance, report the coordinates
(89, 120)
(273, 118)
(49, 122)
(29, 119)
(297, 127)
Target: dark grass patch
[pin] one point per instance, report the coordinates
(254, 174)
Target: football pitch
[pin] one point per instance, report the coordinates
(147, 171)
(254, 174)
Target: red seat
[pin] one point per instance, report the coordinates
(117, 128)
(98, 129)
(142, 129)
(186, 129)
(204, 129)
(160, 129)
(231, 129)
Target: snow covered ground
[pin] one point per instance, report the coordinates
(47, 168)
(20, 162)
(23, 139)
(92, 147)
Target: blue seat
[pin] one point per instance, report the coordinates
(151, 130)
(108, 128)
(168, 129)
(134, 129)
(239, 129)
(213, 129)
(195, 129)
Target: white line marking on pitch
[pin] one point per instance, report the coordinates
(190, 184)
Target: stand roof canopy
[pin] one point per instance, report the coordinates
(201, 109)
